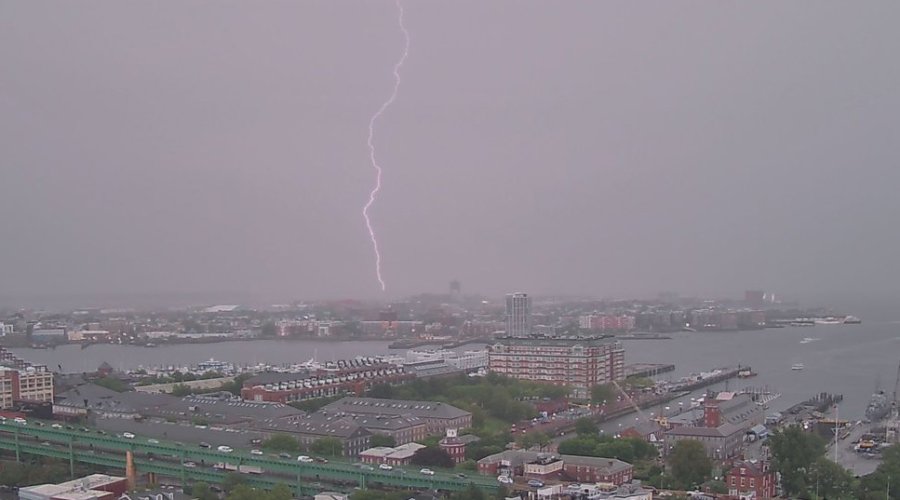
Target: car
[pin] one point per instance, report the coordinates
(256, 441)
(427, 472)
(85, 429)
(101, 432)
(46, 443)
(70, 428)
(504, 479)
(305, 459)
(127, 435)
(385, 467)
(20, 421)
(321, 460)
(204, 444)
(285, 455)
(153, 441)
(56, 426)
(225, 449)
(367, 467)
(256, 452)
(461, 476)
(39, 423)
(536, 483)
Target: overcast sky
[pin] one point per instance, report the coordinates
(609, 148)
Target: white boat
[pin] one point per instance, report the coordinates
(807, 340)
(797, 366)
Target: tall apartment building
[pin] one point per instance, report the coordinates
(577, 362)
(23, 381)
(518, 315)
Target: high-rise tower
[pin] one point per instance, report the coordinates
(518, 315)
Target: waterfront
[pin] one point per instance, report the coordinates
(848, 360)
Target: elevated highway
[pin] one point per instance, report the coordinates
(186, 462)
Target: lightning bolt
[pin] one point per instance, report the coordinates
(390, 100)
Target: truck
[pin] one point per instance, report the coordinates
(243, 469)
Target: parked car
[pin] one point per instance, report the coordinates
(504, 479)
(385, 467)
(427, 472)
(536, 483)
(189, 465)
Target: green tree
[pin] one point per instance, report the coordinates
(831, 480)
(601, 393)
(875, 486)
(382, 440)
(690, 465)
(586, 427)
(201, 491)
(432, 456)
(471, 465)
(232, 481)
(717, 486)
(619, 448)
(541, 439)
(470, 493)
(112, 383)
(281, 442)
(281, 491)
(268, 329)
(578, 446)
(180, 390)
(330, 446)
(382, 391)
(794, 452)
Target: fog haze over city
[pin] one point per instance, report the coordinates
(586, 148)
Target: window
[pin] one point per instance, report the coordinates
(752, 483)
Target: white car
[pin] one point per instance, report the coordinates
(20, 421)
(189, 465)
(427, 472)
(153, 441)
(305, 459)
(127, 435)
(225, 449)
(56, 426)
(385, 467)
(504, 479)
(256, 452)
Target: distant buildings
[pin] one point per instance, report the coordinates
(354, 376)
(577, 362)
(606, 322)
(518, 315)
(6, 329)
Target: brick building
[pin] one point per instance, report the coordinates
(577, 362)
(21, 381)
(533, 465)
(748, 478)
(352, 377)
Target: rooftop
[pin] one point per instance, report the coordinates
(388, 407)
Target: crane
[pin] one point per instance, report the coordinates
(633, 404)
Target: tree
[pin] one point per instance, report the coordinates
(578, 446)
(432, 456)
(541, 439)
(281, 442)
(268, 329)
(232, 481)
(112, 383)
(586, 427)
(690, 465)
(281, 491)
(794, 452)
(330, 446)
(601, 393)
(180, 390)
(382, 440)
(201, 491)
(831, 480)
(381, 391)
(471, 465)
(470, 493)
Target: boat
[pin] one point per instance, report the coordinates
(746, 373)
(797, 366)
(879, 406)
(830, 320)
(852, 320)
(807, 340)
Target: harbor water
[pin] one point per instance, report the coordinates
(852, 360)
